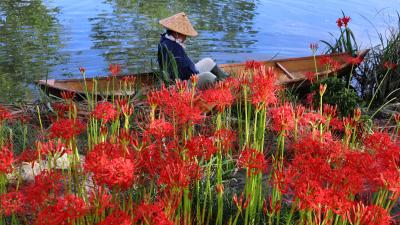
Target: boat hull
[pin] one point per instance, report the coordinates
(290, 72)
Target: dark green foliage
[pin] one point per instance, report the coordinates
(337, 94)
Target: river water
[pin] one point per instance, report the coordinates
(53, 38)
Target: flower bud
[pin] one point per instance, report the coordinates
(220, 189)
(357, 114)
(322, 89)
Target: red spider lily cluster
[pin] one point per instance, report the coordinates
(344, 21)
(353, 60)
(105, 111)
(253, 161)
(67, 128)
(330, 63)
(176, 160)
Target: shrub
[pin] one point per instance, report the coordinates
(337, 94)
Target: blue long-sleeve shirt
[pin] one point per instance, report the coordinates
(170, 55)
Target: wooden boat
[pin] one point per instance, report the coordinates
(290, 71)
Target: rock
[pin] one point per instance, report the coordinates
(26, 173)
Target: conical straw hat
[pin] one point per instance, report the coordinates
(179, 23)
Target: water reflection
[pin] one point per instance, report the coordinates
(55, 38)
(130, 33)
(29, 40)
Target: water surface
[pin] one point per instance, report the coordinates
(53, 38)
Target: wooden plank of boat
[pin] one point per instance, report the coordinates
(290, 71)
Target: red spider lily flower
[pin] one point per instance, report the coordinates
(12, 203)
(46, 187)
(263, 88)
(124, 106)
(299, 111)
(114, 69)
(6, 159)
(179, 174)
(82, 70)
(182, 85)
(4, 114)
(389, 65)
(339, 22)
(61, 108)
(314, 47)
(282, 118)
(52, 148)
(345, 20)
(100, 200)
(353, 60)
(110, 167)
(118, 217)
(310, 98)
(325, 61)
(315, 185)
(105, 111)
(348, 122)
(247, 202)
(235, 84)
(67, 128)
(67, 208)
(226, 138)
(253, 65)
(311, 76)
(335, 65)
(201, 147)
(160, 128)
(67, 95)
(28, 155)
(330, 111)
(152, 214)
(185, 113)
(379, 142)
(121, 173)
(368, 215)
(177, 104)
(156, 98)
(327, 149)
(220, 96)
(336, 124)
(386, 155)
(253, 161)
(322, 89)
(151, 160)
(125, 137)
(238, 202)
(357, 114)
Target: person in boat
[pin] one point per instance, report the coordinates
(173, 59)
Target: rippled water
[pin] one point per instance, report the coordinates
(53, 38)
